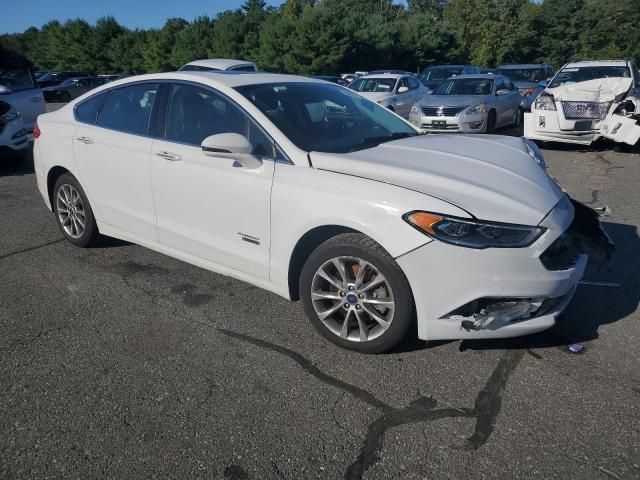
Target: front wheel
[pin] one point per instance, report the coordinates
(73, 212)
(356, 295)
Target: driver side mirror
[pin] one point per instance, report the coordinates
(503, 91)
(4, 89)
(231, 145)
(403, 89)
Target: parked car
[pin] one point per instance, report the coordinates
(397, 92)
(71, 88)
(219, 64)
(21, 102)
(432, 77)
(527, 78)
(469, 104)
(51, 79)
(491, 71)
(332, 79)
(585, 101)
(314, 192)
(397, 72)
(110, 77)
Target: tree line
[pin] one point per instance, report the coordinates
(333, 36)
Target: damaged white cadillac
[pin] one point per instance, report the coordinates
(313, 192)
(585, 101)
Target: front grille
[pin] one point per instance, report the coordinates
(442, 111)
(585, 110)
(429, 126)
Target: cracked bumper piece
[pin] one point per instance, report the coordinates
(454, 287)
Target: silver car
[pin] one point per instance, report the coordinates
(395, 91)
(477, 103)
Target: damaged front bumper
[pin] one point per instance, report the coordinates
(463, 293)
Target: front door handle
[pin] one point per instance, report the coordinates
(87, 140)
(172, 157)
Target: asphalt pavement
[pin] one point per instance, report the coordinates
(119, 362)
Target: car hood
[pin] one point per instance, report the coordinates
(599, 90)
(491, 177)
(452, 100)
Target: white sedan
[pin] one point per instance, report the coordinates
(395, 91)
(313, 192)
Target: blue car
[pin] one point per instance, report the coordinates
(530, 79)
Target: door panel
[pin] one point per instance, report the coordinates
(114, 165)
(212, 207)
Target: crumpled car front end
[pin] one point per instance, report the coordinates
(582, 112)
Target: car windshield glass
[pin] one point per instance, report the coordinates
(523, 74)
(48, 76)
(465, 86)
(437, 74)
(326, 118)
(69, 82)
(583, 74)
(373, 85)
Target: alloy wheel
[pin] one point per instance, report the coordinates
(70, 210)
(352, 298)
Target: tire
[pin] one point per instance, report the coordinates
(386, 294)
(518, 120)
(65, 97)
(491, 121)
(68, 195)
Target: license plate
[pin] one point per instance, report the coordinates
(439, 123)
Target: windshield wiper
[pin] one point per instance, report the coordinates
(370, 142)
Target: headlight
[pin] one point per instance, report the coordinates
(535, 153)
(473, 233)
(10, 115)
(481, 108)
(545, 102)
(415, 109)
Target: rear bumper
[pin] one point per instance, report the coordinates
(444, 278)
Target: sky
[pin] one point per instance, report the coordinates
(17, 16)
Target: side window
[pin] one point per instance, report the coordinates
(500, 85)
(17, 80)
(403, 83)
(413, 83)
(195, 113)
(87, 111)
(549, 73)
(509, 84)
(128, 108)
(83, 82)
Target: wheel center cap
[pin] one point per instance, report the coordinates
(352, 298)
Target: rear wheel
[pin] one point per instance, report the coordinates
(73, 212)
(356, 295)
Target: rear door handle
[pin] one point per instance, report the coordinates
(87, 140)
(173, 157)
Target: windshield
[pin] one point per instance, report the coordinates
(465, 86)
(523, 74)
(379, 85)
(48, 76)
(69, 82)
(438, 74)
(583, 74)
(326, 118)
